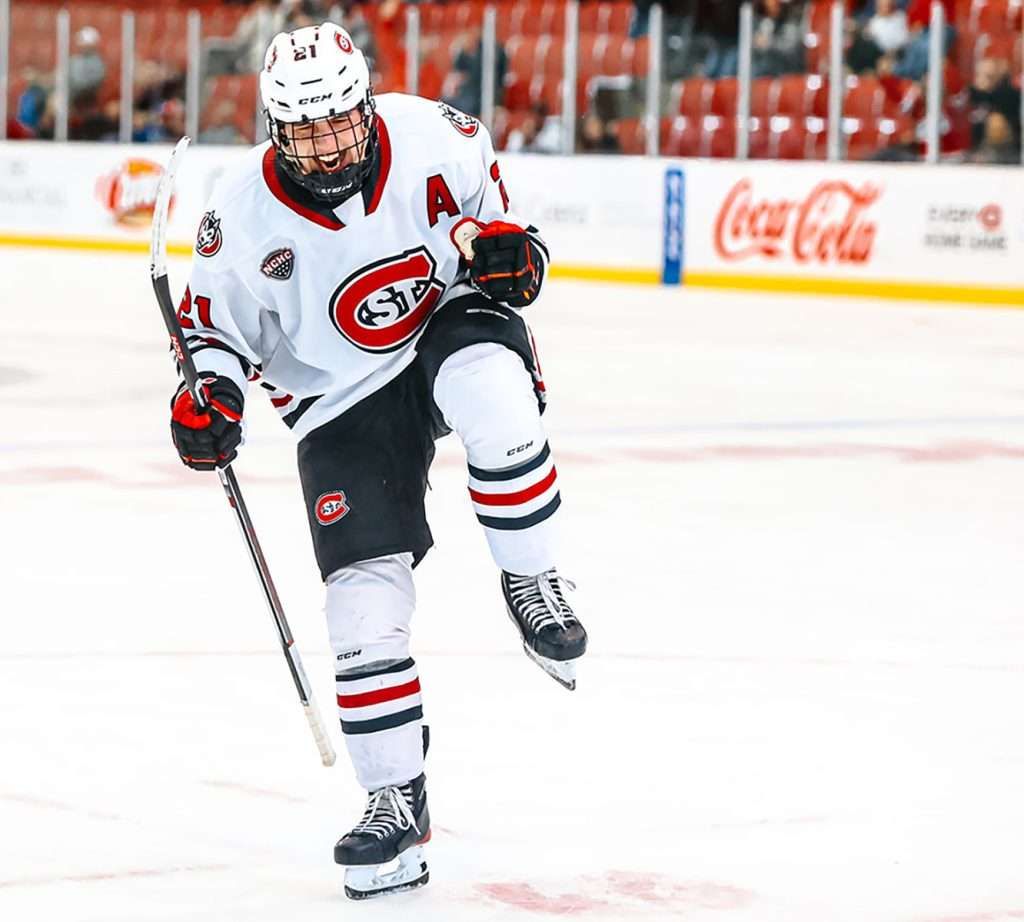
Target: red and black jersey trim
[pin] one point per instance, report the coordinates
(512, 473)
(381, 168)
(293, 196)
(290, 419)
(525, 521)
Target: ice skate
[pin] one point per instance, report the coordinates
(552, 634)
(383, 853)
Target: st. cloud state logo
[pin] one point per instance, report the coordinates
(382, 306)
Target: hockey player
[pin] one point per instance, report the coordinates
(362, 266)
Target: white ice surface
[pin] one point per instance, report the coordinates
(797, 528)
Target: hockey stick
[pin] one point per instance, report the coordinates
(158, 272)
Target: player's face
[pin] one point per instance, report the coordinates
(328, 145)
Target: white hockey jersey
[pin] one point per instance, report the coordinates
(325, 307)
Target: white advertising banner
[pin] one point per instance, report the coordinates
(902, 223)
(893, 230)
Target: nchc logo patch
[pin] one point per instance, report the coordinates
(330, 507)
(278, 264)
(209, 239)
(382, 306)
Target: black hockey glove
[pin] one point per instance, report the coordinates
(506, 264)
(211, 439)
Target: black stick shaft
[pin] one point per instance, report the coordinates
(231, 488)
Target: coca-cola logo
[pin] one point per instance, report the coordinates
(830, 225)
(129, 191)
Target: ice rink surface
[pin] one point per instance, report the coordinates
(797, 526)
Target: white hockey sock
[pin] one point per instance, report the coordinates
(369, 606)
(486, 395)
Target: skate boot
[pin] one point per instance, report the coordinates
(394, 827)
(552, 635)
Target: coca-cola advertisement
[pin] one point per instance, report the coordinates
(834, 223)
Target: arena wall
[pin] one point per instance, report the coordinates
(945, 233)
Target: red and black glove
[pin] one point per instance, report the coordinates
(209, 439)
(506, 264)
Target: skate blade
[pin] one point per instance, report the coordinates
(562, 671)
(363, 883)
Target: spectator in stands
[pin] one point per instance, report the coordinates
(156, 82)
(167, 127)
(991, 92)
(862, 54)
(354, 21)
(597, 136)
(86, 69)
(98, 123)
(888, 27)
(716, 33)
(913, 63)
(778, 40)
(221, 125)
(468, 69)
(998, 144)
(32, 102)
(538, 134)
(243, 52)
(778, 44)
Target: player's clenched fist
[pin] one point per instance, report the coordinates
(506, 264)
(209, 439)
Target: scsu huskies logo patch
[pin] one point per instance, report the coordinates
(382, 306)
(464, 124)
(330, 507)
(209, 240)
(278, 264)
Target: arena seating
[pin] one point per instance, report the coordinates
(789, 113)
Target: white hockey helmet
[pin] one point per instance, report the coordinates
(316, 75)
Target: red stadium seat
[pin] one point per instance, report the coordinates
(521, 52)
(618, 55)
(864, 139)
(694, 97)
(683, 138)
(550, 56)
(724, 96)
(761, 141)
(641, 46)
(864, 97)
(795, 141)
(996, 16)
(764, 94)
(590, 56)
(632, 135)
(801, 95)
(721, 137)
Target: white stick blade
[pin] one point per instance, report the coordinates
(158, 242)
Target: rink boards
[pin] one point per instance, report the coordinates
(940, 233)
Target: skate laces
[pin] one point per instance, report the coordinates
(392, 803)
(541, 599)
